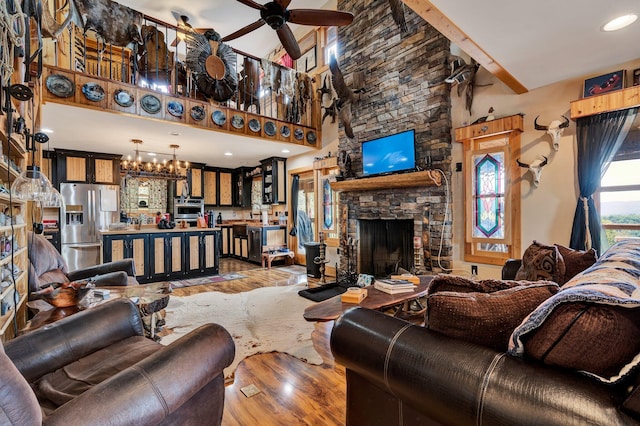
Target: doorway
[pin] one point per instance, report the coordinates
(306, 216)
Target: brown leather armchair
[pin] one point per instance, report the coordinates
(46, 266)
(96, 367)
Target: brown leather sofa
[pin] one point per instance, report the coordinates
(404, 374)
(96, 367)
(46, 266)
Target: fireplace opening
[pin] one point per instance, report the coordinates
(385, 245)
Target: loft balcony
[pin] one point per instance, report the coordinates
(269, 102)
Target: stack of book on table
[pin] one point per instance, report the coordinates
(393, 286)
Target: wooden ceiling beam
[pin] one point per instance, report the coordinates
(440, 22)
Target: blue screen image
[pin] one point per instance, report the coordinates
(389, 154)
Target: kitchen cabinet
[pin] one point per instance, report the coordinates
(225, 188)
(227, 240)
(242, 179)
(260, 237)
(135, 246)
(274, 175)
(161, 255)
(203, 252)
(87, 167)
(167, 255)
(210, 177)
(194, 182)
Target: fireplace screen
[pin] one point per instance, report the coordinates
(385, 245)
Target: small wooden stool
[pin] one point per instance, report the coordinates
(268, 254)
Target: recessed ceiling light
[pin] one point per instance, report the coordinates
(228, 154)
(174, 133)
(620, 22)
(46, 130)
(286, 151)
(153, 154)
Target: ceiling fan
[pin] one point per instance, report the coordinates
(183, 24)
(276, 14)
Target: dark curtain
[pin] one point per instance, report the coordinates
(295, 183)
(599, 137)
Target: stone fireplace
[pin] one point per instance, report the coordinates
(404, 89)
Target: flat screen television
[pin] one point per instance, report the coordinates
(389, 154)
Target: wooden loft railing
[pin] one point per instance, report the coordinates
(265, 112)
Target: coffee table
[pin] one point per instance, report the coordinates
(331, 309)
(149, 298)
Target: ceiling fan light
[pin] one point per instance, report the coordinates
(620, 22)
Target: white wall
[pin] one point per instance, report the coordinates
(547, 211)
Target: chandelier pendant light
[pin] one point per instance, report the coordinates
(167, 170)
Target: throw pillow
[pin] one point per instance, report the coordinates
(483, 312)
(592, 324)
(576, 261)
(542, 262)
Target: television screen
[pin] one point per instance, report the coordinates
(389, 154)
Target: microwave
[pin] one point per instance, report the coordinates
(188, 210)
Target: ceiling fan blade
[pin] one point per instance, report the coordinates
(283, 3)
(320, 17)
(245, 30)
(185, 21)
(252, 4)
(289, 41)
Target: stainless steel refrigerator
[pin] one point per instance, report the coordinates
(88, 209)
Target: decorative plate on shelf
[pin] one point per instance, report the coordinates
(175, 108)
(60, 85)
(219, 118)
(123, 97)
(237, 121)
(298, 134)
(311, 137)
(254, 125)
(270, 128)
(285, 131)
(93, 91)
(198, 113)
(150, 104)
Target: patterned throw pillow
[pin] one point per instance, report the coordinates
(576, 261)
(542, 262)
(483, 312)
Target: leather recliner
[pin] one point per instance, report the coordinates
(96, 367)
(46, 267)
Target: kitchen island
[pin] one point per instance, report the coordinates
(165, 254)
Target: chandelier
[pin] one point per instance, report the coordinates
(168, 170)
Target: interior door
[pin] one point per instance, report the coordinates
(306, 217)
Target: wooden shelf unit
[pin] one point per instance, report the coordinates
(613, 101)
(400, 180)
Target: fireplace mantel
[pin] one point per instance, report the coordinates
(399, 180)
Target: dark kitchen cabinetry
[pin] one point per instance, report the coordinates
(161, 255)
(261, 237)
(254, 237)
(202, 249)
(195, 182)
(226, 245)
(118, 247)
(274, 175)
(242, 180)
(87, 167)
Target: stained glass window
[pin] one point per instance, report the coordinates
(488, 195)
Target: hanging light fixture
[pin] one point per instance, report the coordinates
(168, 170)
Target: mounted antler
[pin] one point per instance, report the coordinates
(554, 129)
(536, 171)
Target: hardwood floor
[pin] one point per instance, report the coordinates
(292, 392)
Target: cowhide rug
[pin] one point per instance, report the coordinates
(267, 319)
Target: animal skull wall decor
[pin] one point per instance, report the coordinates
(554, 129)
(536, 170)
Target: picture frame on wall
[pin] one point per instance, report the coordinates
(307, 61)
(605, 83)
(636, 77)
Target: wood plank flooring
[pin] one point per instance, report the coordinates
(292, 392)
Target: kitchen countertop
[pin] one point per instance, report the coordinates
(154, 230)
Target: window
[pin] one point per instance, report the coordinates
(619, 199)
(492, 204)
